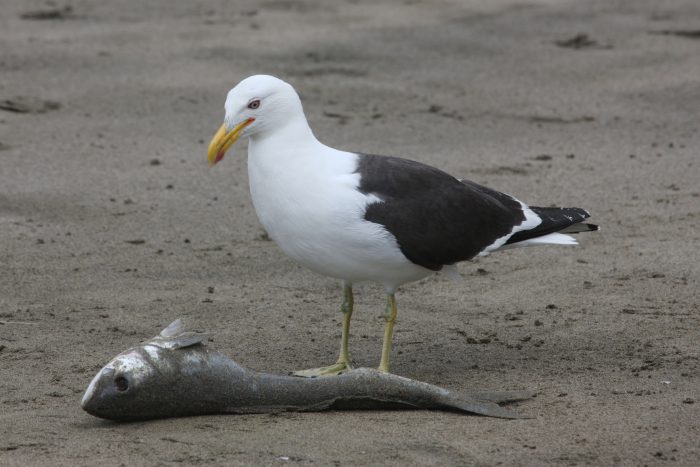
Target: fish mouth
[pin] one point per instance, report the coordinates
(90, 400)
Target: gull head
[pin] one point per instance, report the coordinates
(258, 105)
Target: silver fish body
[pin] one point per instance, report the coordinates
(175, 374)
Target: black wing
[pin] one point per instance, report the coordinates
(435, 218)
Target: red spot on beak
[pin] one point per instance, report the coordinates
(219, 156)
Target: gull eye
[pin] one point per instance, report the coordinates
(254, 104)
(121, 384)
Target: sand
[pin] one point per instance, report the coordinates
(112, 225)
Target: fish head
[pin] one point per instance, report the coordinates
(125, 387)
(145, 381)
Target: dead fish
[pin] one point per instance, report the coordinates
(175, 374)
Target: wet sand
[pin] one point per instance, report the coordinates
(112, 225)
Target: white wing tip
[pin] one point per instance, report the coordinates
(550, 239)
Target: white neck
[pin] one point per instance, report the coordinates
(296, 130)
(284, 146)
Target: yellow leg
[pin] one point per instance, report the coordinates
(343, 363)
(346, 308)
(390, 319)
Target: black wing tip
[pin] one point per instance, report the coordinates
(588, 227)
(585, 214)
(579, 227)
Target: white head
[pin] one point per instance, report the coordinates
(258, 105)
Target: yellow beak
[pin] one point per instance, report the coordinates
(222, 140)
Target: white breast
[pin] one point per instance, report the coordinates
(307, 200)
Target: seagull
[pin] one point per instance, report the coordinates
(361, 217)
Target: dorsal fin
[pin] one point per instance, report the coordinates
(174, 336)
(173, 329)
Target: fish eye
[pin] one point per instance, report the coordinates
(121, 384)
(254, 104)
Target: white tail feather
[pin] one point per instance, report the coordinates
(549, 239)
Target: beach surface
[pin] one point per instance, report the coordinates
(112, 225)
